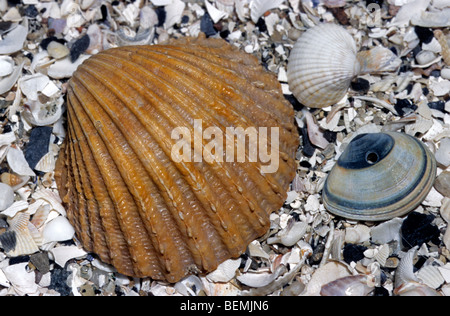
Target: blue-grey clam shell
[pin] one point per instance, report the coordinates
(379, 176)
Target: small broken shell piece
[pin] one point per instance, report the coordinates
(6, 66)
(27, 237)
(39, 114)
(430, 276)
(225, 271)
(50, 197)
(15, 39)
(64, 68)
(189, 286)
(58, 229)
(382, 254)
(290, 235)
(325, 274)
(355, 285)
(22, 282)
(7, 196)
(357, 234)
(259, 7)
(255, 279)
(64, 253)
(406, 282)
(30, 85)
(8, 82)
(17, 162)
(378, 59)
(314, 134)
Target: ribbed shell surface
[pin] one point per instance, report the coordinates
(321, 65)
(380, 176)
(129, 202)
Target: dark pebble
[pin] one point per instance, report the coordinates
(424, 34)
(293, 100)
(437, 105)
(19, 259)
(30, 11)
(58, 281)
(261, 25)
(185, 19)
(3, 223)
(380, 291)
(37, 147)
(361, 85)
(340, 15)
(104, 11)
(436, 73)
(224, 34)
(161, 13)
(305, 164)
(330, 136)
(409, 88)
(416, 50)
(5, 26)
(308, 148)
(7, 129)
(41, 262)
(353, 252)
(417, 229)
(79, 47)
(8, 240)
(207, 25)
(44, 43)
(403, 105)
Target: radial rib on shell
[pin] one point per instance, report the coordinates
(128, 200)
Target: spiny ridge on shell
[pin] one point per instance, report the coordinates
(129, 202)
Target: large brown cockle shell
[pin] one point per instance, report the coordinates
(134, 206)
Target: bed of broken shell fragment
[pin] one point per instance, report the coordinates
(306, 248)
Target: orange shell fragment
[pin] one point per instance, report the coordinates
(129, 201)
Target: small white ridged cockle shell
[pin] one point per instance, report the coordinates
(325, 60)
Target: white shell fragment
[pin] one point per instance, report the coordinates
(15, 39)
(443, 153)
(225, 271)
(6, 66)
(17, 162)
(58, 229)
(290, 235)
(259, 7)
(27, 237)
(355, 285)
(44, 114)
(63, 254)
(32, 84)
(8, 82)
(255, 279)
(64, 68)
(22, 281)
(7, 196)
